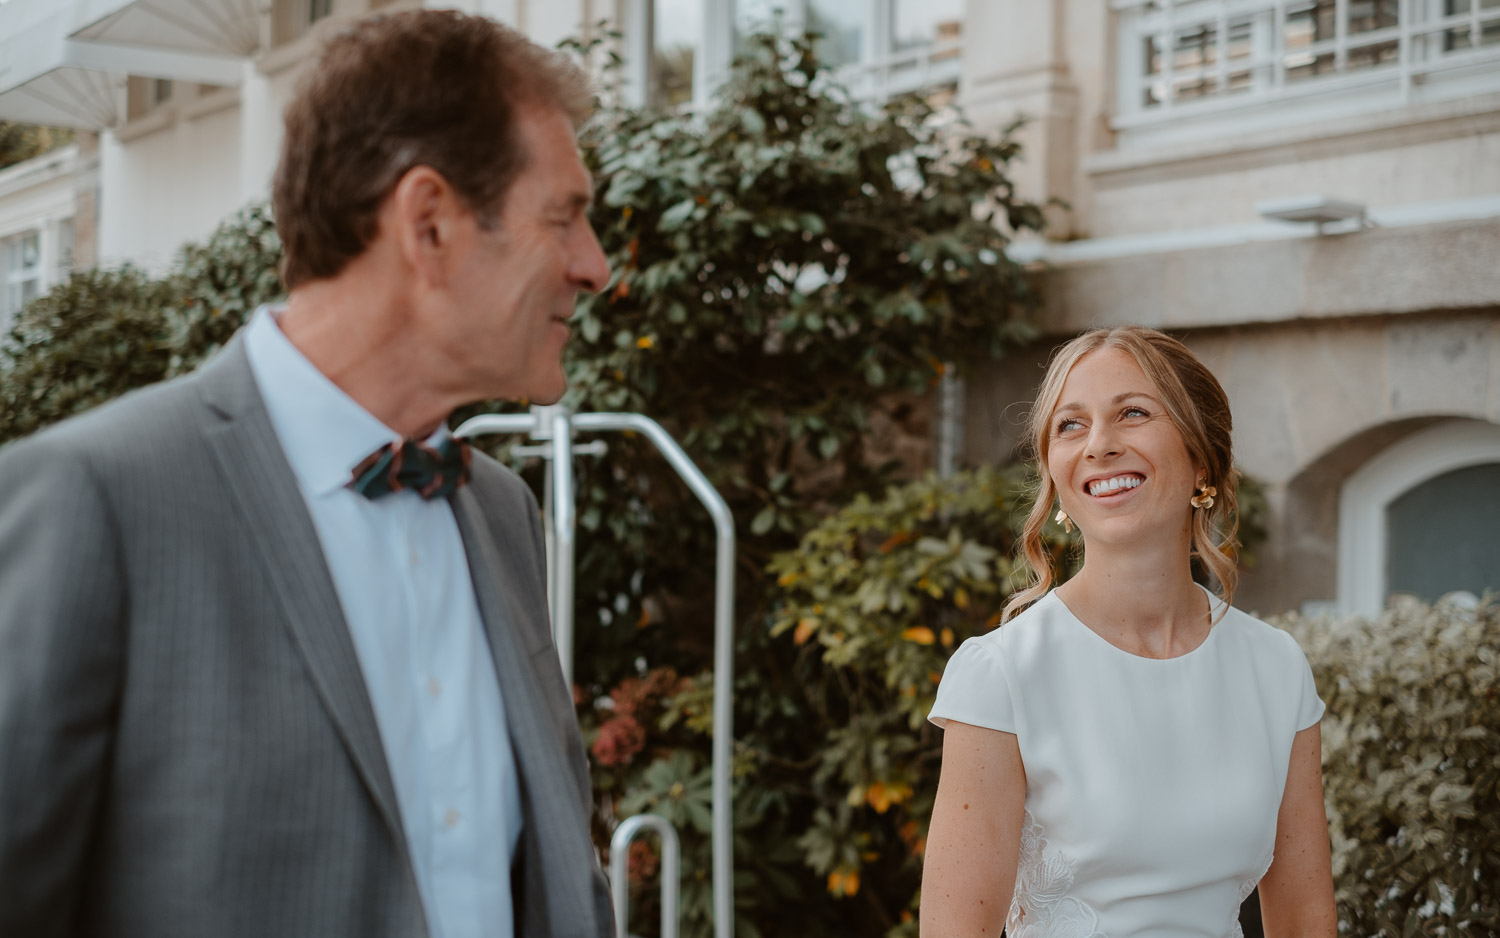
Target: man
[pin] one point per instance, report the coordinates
(252, 681)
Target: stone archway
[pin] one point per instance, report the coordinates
(1378, 499)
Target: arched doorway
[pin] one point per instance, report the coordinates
(1420, 517)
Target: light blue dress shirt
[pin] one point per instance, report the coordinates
(402, 578)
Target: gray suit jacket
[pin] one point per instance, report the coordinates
(187, 747)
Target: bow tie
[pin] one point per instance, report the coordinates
(430, 472)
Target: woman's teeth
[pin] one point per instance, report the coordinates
(1106, 486)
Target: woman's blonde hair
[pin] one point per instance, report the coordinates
(1198, 407)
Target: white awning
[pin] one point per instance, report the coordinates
(212, 27)
(47, 78)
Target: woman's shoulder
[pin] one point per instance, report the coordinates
(1023, 635)
(1253, 633)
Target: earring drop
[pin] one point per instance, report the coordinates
(1204, 498)
(1063, 519)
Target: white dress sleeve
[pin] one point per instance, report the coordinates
(1310, 708)
(975, 690)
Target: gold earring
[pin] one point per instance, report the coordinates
(1063, 519)
(1204, 497)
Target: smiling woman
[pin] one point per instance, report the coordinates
(1167, 397)
(1130, 755)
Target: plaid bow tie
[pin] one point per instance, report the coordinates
(416, 466)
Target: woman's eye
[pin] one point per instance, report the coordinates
(1065, 425)
(1135, 412)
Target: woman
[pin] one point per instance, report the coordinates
(1130, 755)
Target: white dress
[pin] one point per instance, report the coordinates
(1152, 785)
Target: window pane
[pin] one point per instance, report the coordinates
(65, 245)
(923, 22)
(31, 251)
(1440, 535)
(676, 28)
(1460, 37)
(755, 16)
(1380, 53)
(1367, 15)
(1195, 50)
(317, 9)
(842, 25)
(1241, 51)
(1308, 22)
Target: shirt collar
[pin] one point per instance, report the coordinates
(324, 432)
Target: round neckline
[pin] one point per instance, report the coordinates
(1213, 629)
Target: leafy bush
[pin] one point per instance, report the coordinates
(94, 337)
(20, 142)
(220, 283)
(790, 269)
(101, 333)
(1411, 765)
(876, 597)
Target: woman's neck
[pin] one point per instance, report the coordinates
(1140, 599)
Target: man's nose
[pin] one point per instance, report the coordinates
(590, 267)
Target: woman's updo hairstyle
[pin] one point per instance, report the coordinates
(1199, 408)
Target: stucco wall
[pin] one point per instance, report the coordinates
(167, 187)
(1312, 402)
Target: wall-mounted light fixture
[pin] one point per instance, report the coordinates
(1318, 209)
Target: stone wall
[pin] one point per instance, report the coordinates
(1313, 400)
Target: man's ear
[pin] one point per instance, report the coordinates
(420, 213)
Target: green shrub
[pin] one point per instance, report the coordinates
(92, 338)
(876, 597)
(790, 266)
(1411, 765)
(101, 333)
(221, 281)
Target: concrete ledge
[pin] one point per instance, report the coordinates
(1447, 266)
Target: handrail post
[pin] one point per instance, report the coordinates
(671, 871)
(558, 425)
(722, 745)
(564, 530)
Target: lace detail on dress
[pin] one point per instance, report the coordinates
(1040, 907)
(1246, 888)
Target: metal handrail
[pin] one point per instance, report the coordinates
(557, 424)
(671, 871)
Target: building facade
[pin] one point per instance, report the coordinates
(38, 230)
(1361, 353)
(1307, 191)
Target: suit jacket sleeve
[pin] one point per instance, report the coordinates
(62, 609)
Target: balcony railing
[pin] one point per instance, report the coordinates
(918, 68)
(1179, 58)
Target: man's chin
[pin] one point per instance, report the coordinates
(551, 394)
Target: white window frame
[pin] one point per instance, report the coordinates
(1369, 491)
(880, 73)
(1419, 68)
(16, 278)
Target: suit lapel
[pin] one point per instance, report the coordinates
(264, 493)
(552, 897)
(495, 570)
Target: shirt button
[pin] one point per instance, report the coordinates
(450, 818)
(433, 687)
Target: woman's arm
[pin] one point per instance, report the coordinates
(1296, 895)
(974, 842)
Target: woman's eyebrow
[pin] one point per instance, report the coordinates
(1119, 398)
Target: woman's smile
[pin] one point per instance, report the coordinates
(1110, 487)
